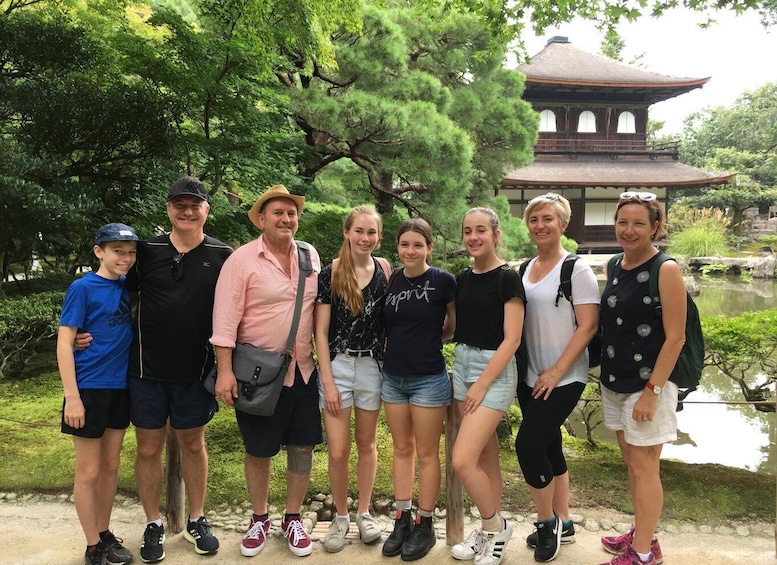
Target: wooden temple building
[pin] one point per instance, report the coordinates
(593, 143)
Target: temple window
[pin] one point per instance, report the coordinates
(547, 121)
(626, 123)
(587, 122)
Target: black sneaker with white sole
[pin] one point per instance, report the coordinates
(567, 535)
(115, 552)
(152, 549)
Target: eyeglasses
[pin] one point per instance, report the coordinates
(644, 196)
(552, 196)
(177, 266)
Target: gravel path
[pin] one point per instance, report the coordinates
(44, 530)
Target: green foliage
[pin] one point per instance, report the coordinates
(743, 348)
(683, 217)
(739, 138)
(24, 322)
(698, 241)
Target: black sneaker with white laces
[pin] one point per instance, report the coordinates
(198, 532)
(152, 549)
(115, 552)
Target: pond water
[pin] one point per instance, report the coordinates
(732, 435)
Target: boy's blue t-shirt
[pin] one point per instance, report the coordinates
(101, 307)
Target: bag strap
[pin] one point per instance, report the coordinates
(305, 268)
(565, 284)
(661, 258)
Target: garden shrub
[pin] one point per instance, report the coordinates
(24, 322)
(698, 241)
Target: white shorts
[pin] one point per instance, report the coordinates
(359, 380)
(618, 408)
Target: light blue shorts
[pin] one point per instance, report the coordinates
(431, 391)
(469, 365)
(359, 380)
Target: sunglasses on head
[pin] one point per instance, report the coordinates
(177, 266)
(644, 196)
(552, 196)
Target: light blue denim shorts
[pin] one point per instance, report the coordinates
(431, 391)
(469, 364)
(359, 380)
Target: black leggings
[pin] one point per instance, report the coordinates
(538, 443)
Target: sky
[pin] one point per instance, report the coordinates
(736, 52)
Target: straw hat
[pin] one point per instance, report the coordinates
(277, 191)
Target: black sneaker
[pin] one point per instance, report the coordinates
(95, 555)
(152, 549)
(115, 553)
(567, 535)
(198, 532)
(548, 540)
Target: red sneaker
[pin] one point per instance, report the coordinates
(300, 543)
(253, 540)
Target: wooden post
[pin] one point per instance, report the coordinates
(175, 508)
(454, 494)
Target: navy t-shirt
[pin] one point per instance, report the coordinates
(480, 311)
(415, 312)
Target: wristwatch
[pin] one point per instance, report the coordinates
(655, 388)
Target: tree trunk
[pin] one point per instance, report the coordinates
(384, 203)
(175, 509)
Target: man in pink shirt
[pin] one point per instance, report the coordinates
(254, 303)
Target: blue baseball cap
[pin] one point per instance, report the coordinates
(115, 232)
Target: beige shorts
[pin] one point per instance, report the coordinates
(617, 416)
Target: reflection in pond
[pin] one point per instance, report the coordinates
(732, 435)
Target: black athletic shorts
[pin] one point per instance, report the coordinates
(105, 409)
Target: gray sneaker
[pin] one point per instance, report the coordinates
(369, 528)
(334, 540)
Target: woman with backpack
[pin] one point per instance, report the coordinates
(349, 333)
(556, 334)
(640, 348)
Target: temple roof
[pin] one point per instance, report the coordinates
(561, 171)
(563, 72)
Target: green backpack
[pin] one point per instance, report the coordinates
(687, 372)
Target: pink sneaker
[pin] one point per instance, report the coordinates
(253, 541)
(630, 557)
(300, 543)
(617, 545)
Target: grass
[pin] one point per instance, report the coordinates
(38, 458)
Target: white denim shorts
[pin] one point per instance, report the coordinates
(618, 407)
(359, 380)
(469, 364)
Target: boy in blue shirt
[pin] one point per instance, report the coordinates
(96, 406)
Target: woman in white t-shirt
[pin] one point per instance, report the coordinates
(556, 334)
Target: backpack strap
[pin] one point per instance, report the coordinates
(386, 266)
(661, 258)
(565, 284)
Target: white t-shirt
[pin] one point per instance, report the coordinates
(547, 329)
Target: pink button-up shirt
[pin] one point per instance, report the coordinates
(254, 303)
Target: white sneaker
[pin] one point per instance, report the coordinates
(369, 529)
(334, 540)
(494, 545)
(466, 550)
